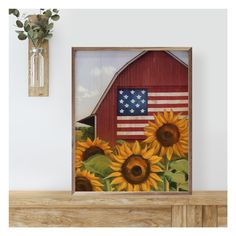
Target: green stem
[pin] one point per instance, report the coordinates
(177, 187)
(32, 40)
(166, 169)
(108, 186)
(167, 162)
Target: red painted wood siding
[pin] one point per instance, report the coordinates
(153, 69)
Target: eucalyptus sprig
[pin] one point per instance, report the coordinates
(37, 28)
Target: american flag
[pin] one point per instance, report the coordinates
(135, 107)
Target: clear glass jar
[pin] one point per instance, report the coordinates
(37, 68)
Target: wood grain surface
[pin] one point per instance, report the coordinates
(49, 209)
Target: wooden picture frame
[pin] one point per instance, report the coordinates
(188, 50)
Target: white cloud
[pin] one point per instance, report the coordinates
(86, 93)
(104, 71)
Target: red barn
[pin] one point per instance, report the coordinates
(150, 82)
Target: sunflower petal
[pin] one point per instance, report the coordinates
(150, 139)
(127, 149)
(171, 115)
(155, 168)
(136, 148)
(84, 144)
(96, 183)
(161, 119)
(114, 174)
(156, 177)
(149, 153)
(152, 124)
(163, 151)
(121, 151)
(176, 151)
(154, 159)
(144, 186)
(90, 142)
(150, 128)
(117, 180)
(166, 115)
(153, 183)
(115, 168)
(136, 187)
(122, 186)
(97, 189)
(169, 153)
(129, 187)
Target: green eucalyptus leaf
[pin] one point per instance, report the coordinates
(55, 10)
(22, 36)
(19, 24)
(16, 13)
(178, 177)
(11, 11)
(55, 17)
(98, 164)
(36, 27)
(180, 165)
(48, 13)
(48, 36)
(26, 26)
(50, 26)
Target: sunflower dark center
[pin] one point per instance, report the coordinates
(168, 135)
(92, 151)
(135, 169)
(83, 184)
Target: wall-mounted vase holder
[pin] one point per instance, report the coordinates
(38, 71)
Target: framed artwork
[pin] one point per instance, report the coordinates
(132, 120)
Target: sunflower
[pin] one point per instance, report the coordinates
(86, 181)
(135, 168)
(168, 134)
(88, 148)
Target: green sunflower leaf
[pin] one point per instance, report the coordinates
(178, 177)
(98, 164)
(120, 141)
(183, 187)
(180, 165)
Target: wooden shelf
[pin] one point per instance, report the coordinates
(43, 209)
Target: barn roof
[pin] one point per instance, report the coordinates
(90, 119)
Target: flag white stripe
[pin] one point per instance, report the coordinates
(130, 133)
(135, 117)
(131, 125)
(141, 117)
(167, 101)
(168, 109)
(168, 94)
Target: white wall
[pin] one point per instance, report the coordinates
(40, 128)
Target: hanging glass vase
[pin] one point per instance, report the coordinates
(37, 68)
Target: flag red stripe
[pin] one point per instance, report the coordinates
(151, 113)
(168, 89)
(167, 105)
(133, 137)
(167, 98)
(131, 129)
